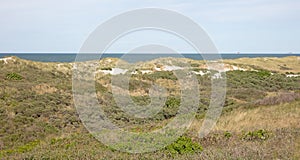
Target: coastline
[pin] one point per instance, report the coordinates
(71, 57)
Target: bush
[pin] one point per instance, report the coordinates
(264, 73)
(227, 134)
(184, 145)
(257, 135)
(13, 76)
(171, 107)
(261, 80)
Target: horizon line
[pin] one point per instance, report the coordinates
(237, 53)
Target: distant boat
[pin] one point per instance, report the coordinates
(237, 52)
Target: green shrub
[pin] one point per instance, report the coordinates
(227, 134)
(257, 135)
(184, 145)
(261, 80)
(171, 107)
(13, 76)
(264, 73)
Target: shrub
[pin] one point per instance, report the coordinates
(257, 135)
(227, 134)
(264, 73)
(171, 107)
(184, 145)
(261, 80)
(14, 76)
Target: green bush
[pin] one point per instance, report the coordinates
(171, 107)
(264, 73)
(257, 135)
(261, 80)
(13, 76)
(227, 134)
(184, 145)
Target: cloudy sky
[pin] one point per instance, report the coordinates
(61, 26)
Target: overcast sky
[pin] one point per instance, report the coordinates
(252, 26)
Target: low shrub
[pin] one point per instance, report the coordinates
(227, 134)
(14, 76)
(184, 145)
(171, 107)
(257, 135)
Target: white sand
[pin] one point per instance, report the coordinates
(146, 71)
(7, 59)
(114, 71)
(171, 68)
(292, 75)
(217, 76)
(200, 73)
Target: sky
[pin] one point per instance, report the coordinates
(62, 26)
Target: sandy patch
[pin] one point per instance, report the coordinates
(7, 59)
(113, 71)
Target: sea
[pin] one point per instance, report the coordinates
(71, 57)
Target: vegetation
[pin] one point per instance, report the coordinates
(257, 135)
(260, 119)
(14, 76)
(184, 145)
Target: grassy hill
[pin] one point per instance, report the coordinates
(260, 119)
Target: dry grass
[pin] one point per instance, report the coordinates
(44, 88)
(267, 117)
(281, 65)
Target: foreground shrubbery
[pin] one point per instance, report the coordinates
(184, 145)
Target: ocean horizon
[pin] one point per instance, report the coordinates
(71, 57)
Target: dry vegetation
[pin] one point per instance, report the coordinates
(260, 119)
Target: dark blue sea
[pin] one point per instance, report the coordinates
(63, 57)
